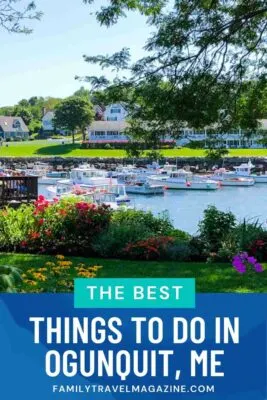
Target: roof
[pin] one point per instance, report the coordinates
(6, 123)
(49, 115)
(108, 126)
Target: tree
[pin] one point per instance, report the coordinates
(199, 59)
(74, 113)
(24, 113)
(12, 15)
(82, 92)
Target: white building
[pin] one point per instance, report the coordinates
(47, 121)
(115, 112)
(234, 139)
(107, 131)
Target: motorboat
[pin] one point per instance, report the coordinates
(64, 189)
(90, 176)
(226, 179)
(244, 170)
(184, 180)
(144, 188)
(52, 177)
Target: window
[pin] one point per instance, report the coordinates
(100, 133)
(16, 124)
(115, 111)
(112, 118)
(112, 133)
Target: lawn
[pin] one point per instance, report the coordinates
(210, 278)
(44, 148)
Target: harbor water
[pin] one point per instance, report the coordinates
(185, 207)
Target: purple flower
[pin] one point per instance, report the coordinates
(252, 260)
(258, 267)
(242, 261)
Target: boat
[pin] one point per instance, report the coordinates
(184, 180)
(226, 179)
(144, 188)
(52, 177)
(244, 170)
(90, 176)
(63, 188)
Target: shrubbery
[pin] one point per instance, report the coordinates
(74, 227)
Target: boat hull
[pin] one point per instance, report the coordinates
(144, 190)
(234, 182)
(189, 185)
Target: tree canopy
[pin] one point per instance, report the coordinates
(206, 62)
(74, 113)
(14, 13)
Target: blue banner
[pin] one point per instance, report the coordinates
(238, 373)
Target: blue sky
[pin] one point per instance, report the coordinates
(46, 62)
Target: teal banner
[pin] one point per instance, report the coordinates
(134, 293)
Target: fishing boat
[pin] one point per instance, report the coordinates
(144, 188)
(244, 170)
(226, 179)
(52, 177)
(184, 180)
(63, 188)
(90, 176)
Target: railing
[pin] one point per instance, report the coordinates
(18, 188)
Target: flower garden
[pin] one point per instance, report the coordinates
(76, 229)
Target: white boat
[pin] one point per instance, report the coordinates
(51, 178)
(145, 188)
(226, 179)
(244, 170)
(35, 169)
(184, 180)
(63, 188)
(90, 176)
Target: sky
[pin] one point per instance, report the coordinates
(46, 62)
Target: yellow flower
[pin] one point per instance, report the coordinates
(60, 257)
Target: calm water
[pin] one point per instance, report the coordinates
(186, 207)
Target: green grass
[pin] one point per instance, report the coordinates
(210, 278)
(44, 148)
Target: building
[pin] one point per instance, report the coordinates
(47, 121)
(115, 112)
(13, 128)
(234, 139)
(107, 131)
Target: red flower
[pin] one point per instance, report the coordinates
(41, 221)
(24, 243)
(48, 232)
(35, 235)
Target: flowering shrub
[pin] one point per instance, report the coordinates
(151, 249)
(55, 276)
(66, 226)
(242, 262)
(258, 248)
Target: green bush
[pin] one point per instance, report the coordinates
(158, 225)
(215, 227)
(112, 242)
(179, 251)
(246, 233)
(14, 226)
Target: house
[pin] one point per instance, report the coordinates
(47, 121)
(232, 139)
(115, 112)
(13, 128)
(107, 131)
